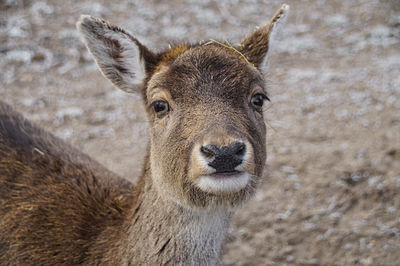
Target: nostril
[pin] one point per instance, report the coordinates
(225, 158)
(209, 150)
(239, 148)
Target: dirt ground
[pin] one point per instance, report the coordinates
(331, 193)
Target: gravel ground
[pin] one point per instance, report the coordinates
(331, 190)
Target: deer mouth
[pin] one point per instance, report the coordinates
(223, 182)
(225, 174)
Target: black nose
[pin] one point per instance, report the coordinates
(225, 158)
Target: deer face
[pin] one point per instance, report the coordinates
(207, 130)
(205, 107)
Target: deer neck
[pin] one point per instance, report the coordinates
(161, 232)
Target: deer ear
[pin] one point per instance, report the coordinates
(256, 47)
(120, 57)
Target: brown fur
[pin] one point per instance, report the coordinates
(54, 200)
(59, 207)
(255, 46)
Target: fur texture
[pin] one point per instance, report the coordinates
(257, 46)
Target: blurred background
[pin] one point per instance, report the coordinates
(331, 192)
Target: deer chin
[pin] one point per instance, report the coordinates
(223, 182)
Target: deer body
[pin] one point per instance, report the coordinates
(191, 238)
(205, 158)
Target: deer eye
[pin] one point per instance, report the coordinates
(160, 107)
(258, 99)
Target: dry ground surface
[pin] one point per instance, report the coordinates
(331, 190)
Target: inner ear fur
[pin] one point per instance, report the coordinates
(120, 57)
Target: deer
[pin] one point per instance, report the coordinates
(205, 159)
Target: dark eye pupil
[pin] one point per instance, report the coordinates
(160, 106)
(257, 100)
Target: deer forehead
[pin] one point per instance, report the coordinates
(204, 73)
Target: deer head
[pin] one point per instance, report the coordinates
(204, 104)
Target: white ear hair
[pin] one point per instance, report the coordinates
(116, 53)
(257, 46)
(276, 24)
